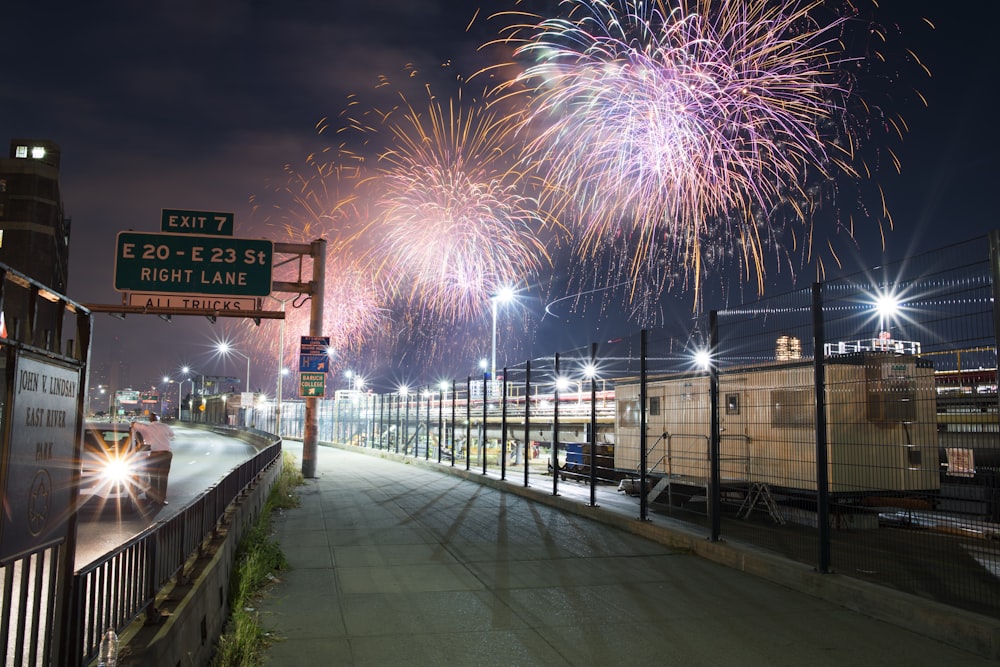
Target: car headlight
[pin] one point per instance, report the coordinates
(118, 470)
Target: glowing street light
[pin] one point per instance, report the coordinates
(166, 380)
(180, 390)
(703, 359)
(504, 295)
(887, 306)
(225, 349)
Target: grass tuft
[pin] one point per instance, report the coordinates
(258, 558)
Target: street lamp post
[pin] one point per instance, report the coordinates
(225, 348)
(180, 394)
(503, 295)
(180, 390)
(163, 400)
(281, 364)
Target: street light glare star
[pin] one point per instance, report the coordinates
(505, 294)
(887, 304)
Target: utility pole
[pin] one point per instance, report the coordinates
(315, 288)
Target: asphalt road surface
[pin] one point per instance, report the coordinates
(201, 458)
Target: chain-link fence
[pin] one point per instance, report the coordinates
(852, 425)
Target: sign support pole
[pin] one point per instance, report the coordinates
(317, 289)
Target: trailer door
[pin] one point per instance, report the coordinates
(733, 438)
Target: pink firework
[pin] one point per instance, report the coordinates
(312, 203)
(453, 217)
(692, 130)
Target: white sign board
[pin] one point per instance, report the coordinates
(42, 466)
(192, 301)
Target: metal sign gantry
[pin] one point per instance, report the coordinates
(314, 288)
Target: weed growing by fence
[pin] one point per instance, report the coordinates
(257, 559)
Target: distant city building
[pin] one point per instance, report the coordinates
(788, 348)
(34, 231)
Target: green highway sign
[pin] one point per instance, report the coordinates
(177, 221)
(312, 385)
(193, 264)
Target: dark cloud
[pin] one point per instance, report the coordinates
(200, 104)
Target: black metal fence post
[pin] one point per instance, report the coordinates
(593, 425)
(822, 477)
(468, 423)
(994, 243)
(440, 420)
(527, 418)
(399, 408)
(555, 428)
(377, 439)
(643, 407)
(406, 425)
(482, 444)
(453, 399)
(715, 474)
(503, 426)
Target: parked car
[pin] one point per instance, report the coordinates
(113, 469)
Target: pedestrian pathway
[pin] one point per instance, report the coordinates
(398, 564)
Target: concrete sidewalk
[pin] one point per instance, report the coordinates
(398, 564)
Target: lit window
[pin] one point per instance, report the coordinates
(21, 151)
(3, 185)
(38, 152)
(1, 238)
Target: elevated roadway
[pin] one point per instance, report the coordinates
(201, 458)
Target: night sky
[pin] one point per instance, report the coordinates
(200, 105)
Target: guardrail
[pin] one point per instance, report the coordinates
(116, 589)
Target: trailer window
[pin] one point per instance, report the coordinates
(628, 413)
(654, 406)
(792, 408)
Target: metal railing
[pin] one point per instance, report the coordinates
(116, 589)
(875, 456)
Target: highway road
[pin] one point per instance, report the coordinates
(201, 458)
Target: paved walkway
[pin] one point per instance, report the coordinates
(395, 564)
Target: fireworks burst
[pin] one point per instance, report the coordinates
(455, 221)
(317, 202)
(692, 131)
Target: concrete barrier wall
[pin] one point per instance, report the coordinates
(194, 610)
